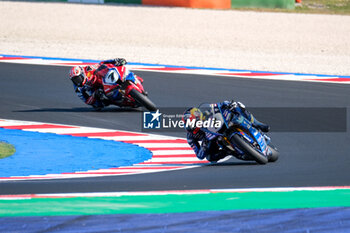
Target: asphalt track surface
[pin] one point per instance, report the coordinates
(44, 93)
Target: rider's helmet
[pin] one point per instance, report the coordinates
(77, 75)
(190, 117)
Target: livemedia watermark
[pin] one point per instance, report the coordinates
(286, 119)
(174, 121)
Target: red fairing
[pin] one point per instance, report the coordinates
(101, 72)
(129, 88)
(138, 86)
(105, 75)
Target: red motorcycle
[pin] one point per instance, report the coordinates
(119, 80)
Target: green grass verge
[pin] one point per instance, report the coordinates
(340, 7)
(324, 6)
(147, 204)
(6, 150)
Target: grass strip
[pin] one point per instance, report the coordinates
(324, 6)
(6, 150)
(172, 203)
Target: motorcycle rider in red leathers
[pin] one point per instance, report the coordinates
(88, 82)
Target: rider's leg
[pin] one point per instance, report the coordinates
(215, 153)
(262, 126)
(116, 96)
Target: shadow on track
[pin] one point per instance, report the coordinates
(239, 163)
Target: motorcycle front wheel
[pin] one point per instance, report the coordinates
(143, 100)
(275, 154)
(248, 149)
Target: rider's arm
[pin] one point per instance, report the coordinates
(81, 93)
(233, 106)
(88, 96)
(193, 142)
(197, 148)
(238, 107)
(120, 62)
(115, 61)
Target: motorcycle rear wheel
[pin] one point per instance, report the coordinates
(249, 149)
(143, 100)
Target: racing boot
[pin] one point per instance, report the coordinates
(257, 124)
(213, 158)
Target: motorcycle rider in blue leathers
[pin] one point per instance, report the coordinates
(208, 148)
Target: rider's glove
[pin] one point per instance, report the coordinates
(234, 105)
(120, 61)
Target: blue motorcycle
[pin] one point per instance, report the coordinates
(235, 134)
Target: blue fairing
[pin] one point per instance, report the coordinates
(130, 77)
(259, 138)
(244, 123)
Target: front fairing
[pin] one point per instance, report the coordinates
(249, 132)
(117, 76)
(111, 79)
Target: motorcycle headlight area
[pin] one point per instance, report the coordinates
(112, 77)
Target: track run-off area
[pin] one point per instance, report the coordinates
(310, 179)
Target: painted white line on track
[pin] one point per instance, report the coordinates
(187, 70)
(173, 152)
(133, 138)
(170, 192)
(160, 145)
(69, 130)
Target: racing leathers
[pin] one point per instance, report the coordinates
(206, 145)
(92, 91)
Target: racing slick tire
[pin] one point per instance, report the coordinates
(275, 154)
(143, 100)
(249, 149)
